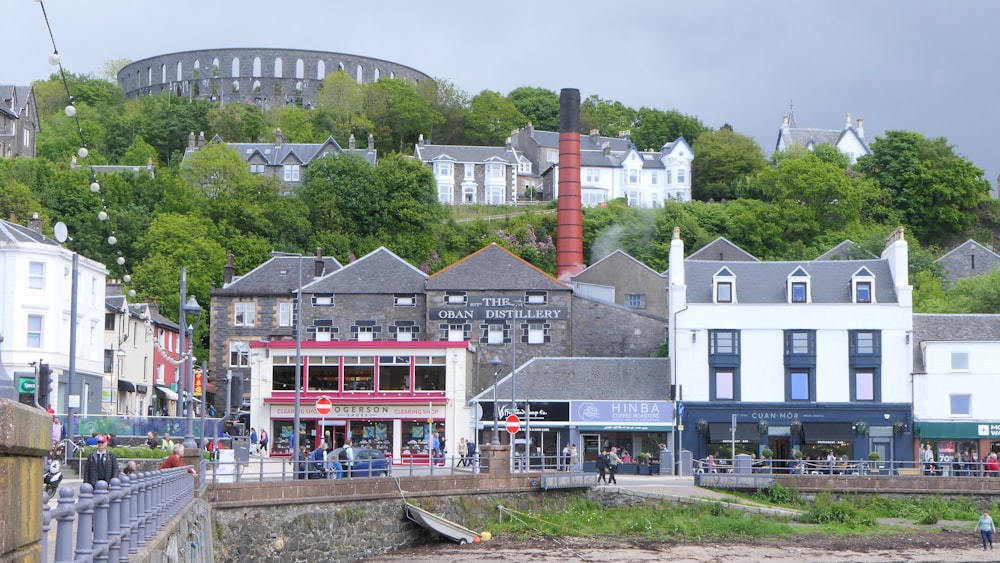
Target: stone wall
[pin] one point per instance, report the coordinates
(607, 330)
(25, 438)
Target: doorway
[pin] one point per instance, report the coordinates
(781, 449)
(591, 446)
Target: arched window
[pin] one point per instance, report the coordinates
(197, 69)
(256, 85)
(340, 67)
(256, 67)
(392, 74)
(236, 86)
(149, 76)
(320, 70)
(359, 75)
(300, 69)
(163, 74)
(236, 67)
(180, 70)
(215, 66)
(377, 74)
(278, 67)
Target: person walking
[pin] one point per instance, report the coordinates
(602, 467)
(574, 458)
(102, 465)
(263, 442)
(462, 452)
(253, 440)
(986, 527)
(613, 461)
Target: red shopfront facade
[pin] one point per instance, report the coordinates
(389, 396)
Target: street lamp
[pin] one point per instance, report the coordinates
(119, 358)
(191, 308)
(496, 363)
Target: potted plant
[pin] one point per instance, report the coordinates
(795, 426)
(702, 426)
(767, 454)
(762, 427)
(861, 427)
(898, 428)
(644, 468)
(873, 457)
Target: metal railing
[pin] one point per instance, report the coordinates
(112, 521)
(848, 467)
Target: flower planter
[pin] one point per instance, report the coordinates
(654, 468)
(628, 469)
(644, 470)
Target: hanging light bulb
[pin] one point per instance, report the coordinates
(82, 152)
(121, 260)
(54, 59)
(70, 111)
(103, 216)
(95, 187)
(126, 278)
(112, 240)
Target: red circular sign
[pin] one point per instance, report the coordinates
(323, 406)
(513, 424)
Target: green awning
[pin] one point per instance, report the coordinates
(956, 430)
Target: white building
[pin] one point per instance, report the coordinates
(850, 140)
(811, 355)
(955, 384)
(36, 299)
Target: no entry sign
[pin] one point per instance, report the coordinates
(513, 424)
(323, 406)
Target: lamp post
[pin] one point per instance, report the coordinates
(496, 363)
(182, 345)
(119, 358)
(191, 308)
(298, 367)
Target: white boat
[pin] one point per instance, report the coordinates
(440, 526)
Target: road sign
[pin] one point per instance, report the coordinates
(680, 409)
(323, 406)
(513, 424)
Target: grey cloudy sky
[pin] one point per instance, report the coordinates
(919, 65)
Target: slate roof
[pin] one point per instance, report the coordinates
(599, 159)
(764, 282)
(547, 379)
(465, 153)
(613, 257)
(14, 233)
(277, 276)
(967, 245)
(550, 139)
(844, 250)
(379, 271)
(951, 328)
(140, 309)
(493, 268)
(276, 155)
(721, 249)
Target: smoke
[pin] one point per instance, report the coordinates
(632, 237)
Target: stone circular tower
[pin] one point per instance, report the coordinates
(268, 77)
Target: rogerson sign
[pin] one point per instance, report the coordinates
(499, 308)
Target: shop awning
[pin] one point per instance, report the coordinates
(721, 433)
(125, 385)
(626, 427)
(827, 432)
(167, 393)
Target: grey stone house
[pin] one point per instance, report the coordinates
(621, 279)
(471, 174)
(19, 123)
(967, 260)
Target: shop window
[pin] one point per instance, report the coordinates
(324, 377)
(429, 373)
(393, 373)
(283, 378)
(359, 373)
(371, 434)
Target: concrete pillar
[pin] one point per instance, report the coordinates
(192, 457)
(25, 439)
(495, 461)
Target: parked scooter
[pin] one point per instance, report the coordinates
(53, 476)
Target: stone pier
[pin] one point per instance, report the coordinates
(25, 439)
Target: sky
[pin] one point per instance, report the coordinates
(916, 65)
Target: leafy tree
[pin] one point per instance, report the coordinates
(491, 118)
(538, 105)
(239, 123)
(820, 186)
(413, 211)
(720, 157)
(17, 199)
(655, 128)
(343, 195)
(296, 124)
(936, 191)
(139, 153)
(606, 116)
(111, 68)
(216, 169)
(452, 103)
(340, 107)
(399, 114)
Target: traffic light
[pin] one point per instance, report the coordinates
(43, 384)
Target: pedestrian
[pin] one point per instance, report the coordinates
(167, 443)
(318, 466)
(102, 465)
(462, 450)
(710, 464)
(993, 465)
(174, 459)
(927, 457)
(471, 453)
(56, 431)
(565, 458)
(574, 458)
(263, 441)
(253, 440)
(602, 467)
(613, 461)
(986, 527)
(130, 468)
(347, 456)
(211, 410)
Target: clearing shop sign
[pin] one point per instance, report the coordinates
(622, 415)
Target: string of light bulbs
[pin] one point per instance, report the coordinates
(83, 152)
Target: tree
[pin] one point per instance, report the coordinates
(413, 212)
(216, 169)
(399, 114)
(340, 106)
(655, 128)
(491, 118)
(606, 116)
(238, 123)
(538, 105)
(720, 157)
(342, 195)
(936, 191)
(452, 103)
(823, 188)
(296, 124)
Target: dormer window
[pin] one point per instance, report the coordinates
(798, 287)
(724, 286)
(863, 286)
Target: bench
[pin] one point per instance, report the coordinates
(910, 471)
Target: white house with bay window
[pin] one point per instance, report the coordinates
(36, 278)
(813, 355)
